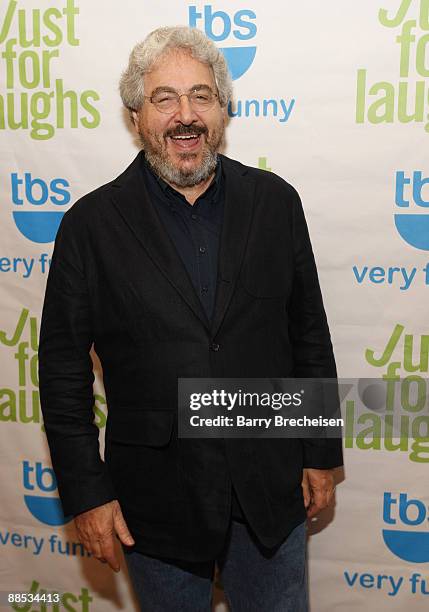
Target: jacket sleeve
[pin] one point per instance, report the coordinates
(66, 379)
(310, 337)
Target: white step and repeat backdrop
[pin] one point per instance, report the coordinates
(333, 96)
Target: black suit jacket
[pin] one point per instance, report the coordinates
(116, 281)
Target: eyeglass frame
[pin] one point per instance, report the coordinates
(194, 89)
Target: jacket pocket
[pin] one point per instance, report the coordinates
(144, 427)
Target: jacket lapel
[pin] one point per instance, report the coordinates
(238, 211)
(133, 204)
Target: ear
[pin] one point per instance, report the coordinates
(225, 115)
(135, 119)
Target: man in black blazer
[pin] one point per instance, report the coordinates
(191, 265)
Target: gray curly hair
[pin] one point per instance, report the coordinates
(162, 40)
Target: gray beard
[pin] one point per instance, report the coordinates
(175, 176)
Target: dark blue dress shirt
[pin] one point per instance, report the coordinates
(195, 230)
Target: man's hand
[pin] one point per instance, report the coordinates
(318, 489)
(96, 530)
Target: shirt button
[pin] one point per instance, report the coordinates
(202, 249)
(194, 216)
(204, 289)
(214, 346)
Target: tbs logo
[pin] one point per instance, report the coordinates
(31, 196)
(218, 26)
(413, 228)
(406, 535)
(39, 482)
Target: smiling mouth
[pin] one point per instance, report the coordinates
(186, 142)
(186, 137)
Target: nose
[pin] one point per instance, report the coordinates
(185, 113)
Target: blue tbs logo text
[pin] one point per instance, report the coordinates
(406, 533)
(219, 26)
(412, 190)
(31, 196)
(40, 483)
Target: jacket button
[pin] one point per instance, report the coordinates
(214, 346)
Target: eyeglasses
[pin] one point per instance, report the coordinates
(168, 101)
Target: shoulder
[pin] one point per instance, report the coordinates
(265, 180)
(94, 205)
(271, 192)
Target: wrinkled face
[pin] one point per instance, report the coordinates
(181, 146)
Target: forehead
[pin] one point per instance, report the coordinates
(178, 69)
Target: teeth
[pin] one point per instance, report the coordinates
(185, 137)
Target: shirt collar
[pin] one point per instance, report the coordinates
(173, 196)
